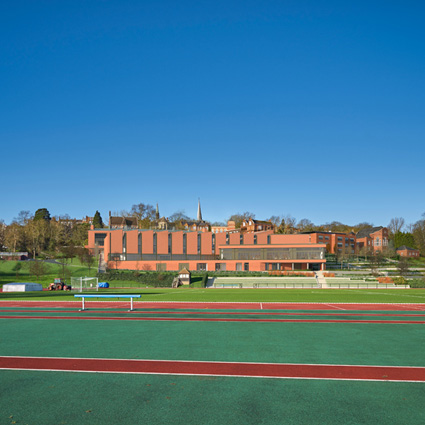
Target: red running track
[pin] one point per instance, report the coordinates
(218, 305)
(254, 370)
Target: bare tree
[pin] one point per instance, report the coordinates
(13, 236)
(37, 268)
(287, 225)
(145, 214)
(403, 267)
(305, 225)
(395, 225)
(238, 218)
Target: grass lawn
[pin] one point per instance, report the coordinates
(248, 295)
(10, 272)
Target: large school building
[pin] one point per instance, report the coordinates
(161, 250)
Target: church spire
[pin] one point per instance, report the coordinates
(157, 212)
(199, 211)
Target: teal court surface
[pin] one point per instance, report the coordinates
(196, 364)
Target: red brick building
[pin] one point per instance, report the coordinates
(174, 250)
(405, 251)
(374, 239)
(334, 241)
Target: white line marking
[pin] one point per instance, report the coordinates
(334, 306)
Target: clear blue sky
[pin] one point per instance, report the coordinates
(314, 109)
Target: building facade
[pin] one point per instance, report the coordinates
(162, 250)
(374, 239)
(334, 241)
(405, 251)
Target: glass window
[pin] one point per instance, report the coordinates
(184, 243)
(255, 239)
(154, 243)
(201, 267)
(99, 239)
(124, 243)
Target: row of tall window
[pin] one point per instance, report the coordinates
(170, 242)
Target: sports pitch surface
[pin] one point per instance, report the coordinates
(216, 363)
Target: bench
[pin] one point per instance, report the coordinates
(83, 297)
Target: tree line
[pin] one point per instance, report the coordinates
(41, 233)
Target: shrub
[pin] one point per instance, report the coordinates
(204, 280)
(400, 280)
(417, 283)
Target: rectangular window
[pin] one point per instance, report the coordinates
(99, 239)
(320, 237)
(241, 239)
(184, 243)
(183, 266)
(220, 267)
(327, 238)
(199, 243)
(238, 267)
(170, 241)
(161, 267)
(201, 267)
(255, 239)
(269, 239)
(139, 243)
(154, 243)
(339, 238)
(246, 267)
(124, 243)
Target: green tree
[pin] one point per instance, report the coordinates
(419, 234)
(97, 220)
(42, 214)
(404, 238)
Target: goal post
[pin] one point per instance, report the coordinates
(81, 284)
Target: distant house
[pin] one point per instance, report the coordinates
(14, 256)
(405, 251)
(251, 225)
(122, 222)
(231, 227)
(374, 239)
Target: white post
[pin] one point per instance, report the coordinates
(83, 303)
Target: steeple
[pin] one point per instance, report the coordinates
(199, 216)
(157, 212)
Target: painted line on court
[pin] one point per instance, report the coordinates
(216, 319)
(209, 312)
(229, 369)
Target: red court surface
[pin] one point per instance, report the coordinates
(220, 305)
(201, 368)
